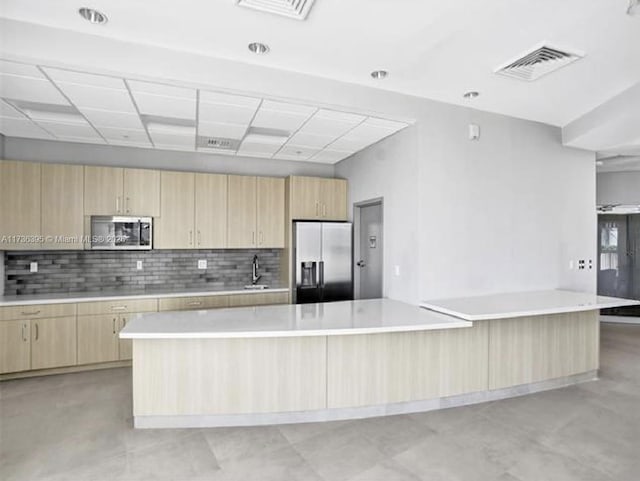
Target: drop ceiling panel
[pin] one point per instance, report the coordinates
(330, 156)
(69, 130)
(59, 117)
(258, 149)
(216, 129)
(162, 90)
(11, 127)
(175, 107)
(6, 110)
(232, 114)
(21, 69)
(125, 143)
(30, 89)
(125, 135)
(330, 123)
(81, 78)
(280, 115)
(390, 125)
(117, 100)
(311, 140)
(346, 144)
(228, 99)
(292, 152)
(165, 138)
(104, 118)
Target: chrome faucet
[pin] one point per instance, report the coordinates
(254, 270)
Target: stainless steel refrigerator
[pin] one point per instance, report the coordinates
(322, 269)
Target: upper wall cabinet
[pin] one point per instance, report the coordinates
(117, 191)
(175, 227)
(317, 198)
(255, 212)
(62, 206)
(19, 205)
(211, 211)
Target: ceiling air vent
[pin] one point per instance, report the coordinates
(298, 9)
(218, 143)
(538, 62)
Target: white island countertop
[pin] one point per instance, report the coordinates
(322, 319)
(521, 304)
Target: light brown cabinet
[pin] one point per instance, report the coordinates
(192, 303)
(211, 211)
(118, 191)
(19, 205)
(259, 299)
(317, 198)
(15, 346)
(98, 338)
(175, 227)
(270, 212)
(255, 212)
(53, 342)
(62, 206)
(241, 227)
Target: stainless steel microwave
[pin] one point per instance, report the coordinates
(121, 233)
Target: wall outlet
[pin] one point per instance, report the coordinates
(33, 267)
(139, 265)
(202, 263)
(396, 270)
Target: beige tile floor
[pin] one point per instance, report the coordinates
(78, 427)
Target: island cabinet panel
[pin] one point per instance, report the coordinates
(19, 205)
(62, 206)
(525, 350)
(228, 376)
(375, 369)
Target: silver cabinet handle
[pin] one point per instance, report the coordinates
(124, 322)
(194, 303)
(127, 204)
(190, 237)
(114, 325)
(253, 238)
(261, 238)
(117, 204)
(24, 332)
(199, 237)
(317, 205)
(118, 308)
(32, 313)
(37, 332)
(324, 210)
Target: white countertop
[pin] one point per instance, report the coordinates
(74, 297)
(322, 319)
(520, 304)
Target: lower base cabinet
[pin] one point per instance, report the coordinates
(53, 342)
(98, 338)
(260, 299)
(15, 346)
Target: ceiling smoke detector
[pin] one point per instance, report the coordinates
(538, 62)
(258, 48)
(93, 16)
(471, 95)
(298, 9)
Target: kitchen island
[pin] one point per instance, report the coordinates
(344, 360)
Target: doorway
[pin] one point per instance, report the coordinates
(368, 249)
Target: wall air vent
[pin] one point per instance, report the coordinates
(538, 62)
(218, 143)
(298, 9)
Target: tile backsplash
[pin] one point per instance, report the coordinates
(94, 271)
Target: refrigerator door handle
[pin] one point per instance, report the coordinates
(321, 273)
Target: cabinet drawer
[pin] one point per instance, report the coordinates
(116, 307)
(37, 311)
(261, 299)
(190, 303)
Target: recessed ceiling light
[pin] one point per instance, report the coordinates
(93, 16)
(258, 48)
(379, 74)
(471, 95)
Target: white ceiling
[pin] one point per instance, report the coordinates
(432, 48)
(52, 103)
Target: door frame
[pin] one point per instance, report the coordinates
(356, 241)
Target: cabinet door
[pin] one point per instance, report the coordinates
(174, 228)
(270, 212)
(15, 346)
(62, 206)
(98, 338)
(304, 197)
(19, 205)
(211, 211)
(333, 199)
(103, 188)
(241, 223)
(53, 342)
(259, 299)
(142, 192)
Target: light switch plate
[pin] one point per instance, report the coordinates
(33, 267)
(396, 270)
(202, 263)
(139, 265)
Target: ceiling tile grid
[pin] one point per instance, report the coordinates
(59, 104)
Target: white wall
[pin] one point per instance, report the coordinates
(505, 213)
(618, 188)
(78, 153)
